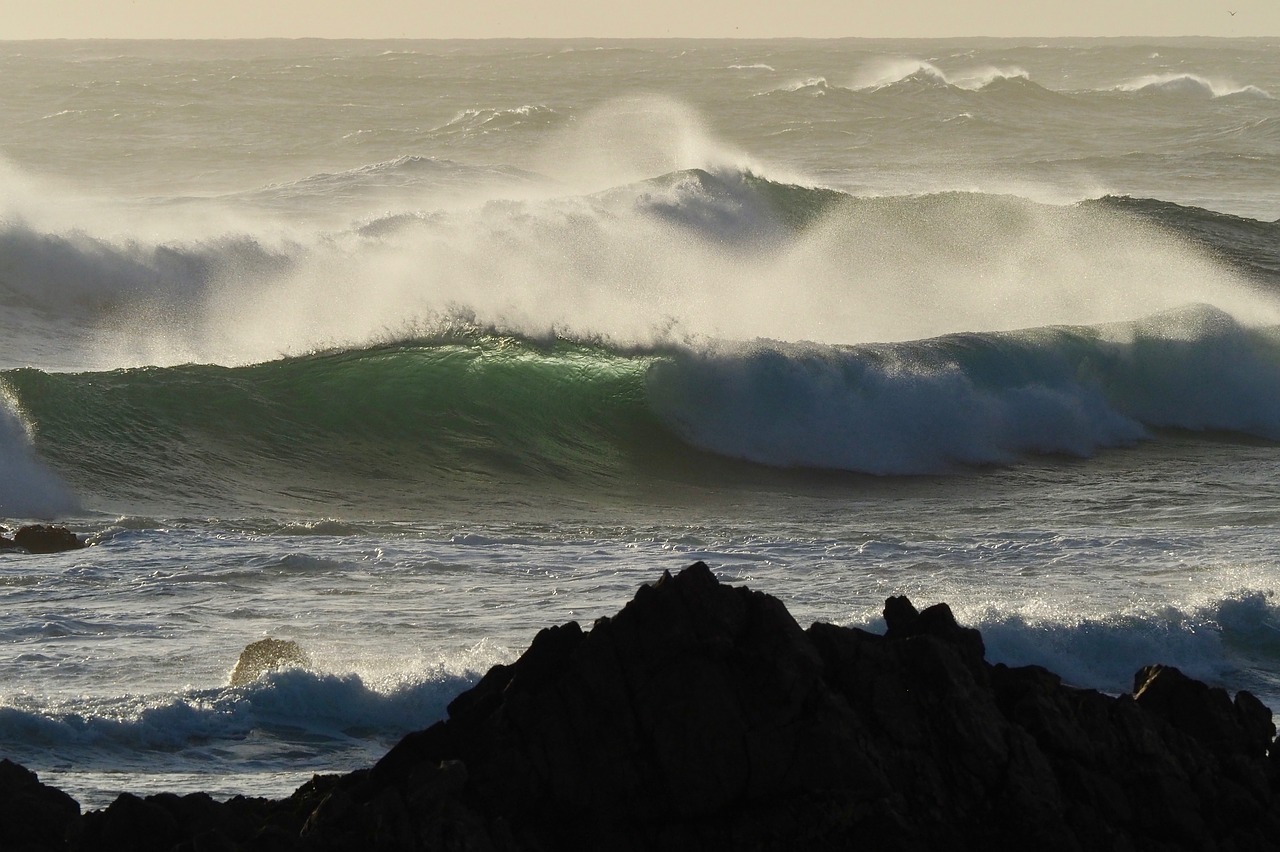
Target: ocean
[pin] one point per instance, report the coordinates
(405, 350)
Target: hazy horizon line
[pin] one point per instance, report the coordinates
(644, 38)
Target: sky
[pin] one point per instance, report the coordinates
(25, 19)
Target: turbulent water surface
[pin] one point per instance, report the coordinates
(404, 350)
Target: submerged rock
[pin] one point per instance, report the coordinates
(702, 716)
(264, 655)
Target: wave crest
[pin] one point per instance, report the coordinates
(918, 73)
(496, 120)
(283, 721)
(1190, 85)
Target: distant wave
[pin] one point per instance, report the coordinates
(913, 76)
(490, 120)
(752, 67)
(380, 179)
(1189, 85)
(919, 73)
(74, 273)
(1263, 131)
(730, 206)
(1249, 245)
(809, 85)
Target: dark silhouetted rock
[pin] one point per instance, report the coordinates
(1240, 727)
(195, 821)
(42, 538)
(264, 655)
(902, 621)
(34, 816)
(702, 716)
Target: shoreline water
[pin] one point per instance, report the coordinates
(712, 700)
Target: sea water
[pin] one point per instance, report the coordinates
(406, 350)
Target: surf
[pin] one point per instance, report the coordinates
(462, 417)
(974, 399)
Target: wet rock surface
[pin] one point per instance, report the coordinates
(702, 716)
(42, 538)
(266, 655)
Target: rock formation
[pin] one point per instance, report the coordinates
(264, 655)
(702, 716)
(42, 538)
(34, 817)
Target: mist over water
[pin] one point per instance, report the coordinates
(536, 209)
(743, 257)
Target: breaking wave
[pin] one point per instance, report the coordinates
(914, 72)
(453, 416)
(1190, 85)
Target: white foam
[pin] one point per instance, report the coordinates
(972, 399)
(323, 704)
(28, 488)
(800, 406)
(1097, 617)
(1232, 640)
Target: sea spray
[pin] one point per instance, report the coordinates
(744, 257)
(633, 138)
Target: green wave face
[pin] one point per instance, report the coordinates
(405, 423)
(500, 423)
